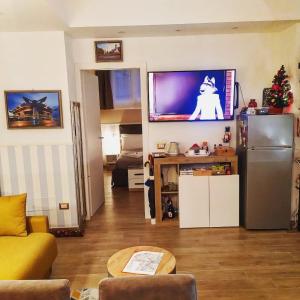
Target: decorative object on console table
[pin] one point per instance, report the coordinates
(280, 94)
(108, 51)
(202, 172)
(173, 149)
(33, 109)
(224, 150)
(227, 136)
(194, 149)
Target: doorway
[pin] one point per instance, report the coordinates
(121, 130)
(110, 142)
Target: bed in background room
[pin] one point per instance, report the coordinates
(131, 154)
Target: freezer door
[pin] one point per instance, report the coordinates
(268, 188)
(270, 130)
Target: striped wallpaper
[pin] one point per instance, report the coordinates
(46, 174)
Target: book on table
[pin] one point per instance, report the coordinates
(143, 262)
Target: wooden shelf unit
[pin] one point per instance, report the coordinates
(184, 160)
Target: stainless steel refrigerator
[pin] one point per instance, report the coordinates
(265, 145)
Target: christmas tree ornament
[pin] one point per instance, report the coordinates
(280, 94)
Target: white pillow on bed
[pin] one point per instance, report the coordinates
(131, 141)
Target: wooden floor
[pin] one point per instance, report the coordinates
(228, 263)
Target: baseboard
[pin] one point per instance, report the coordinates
(67, 232)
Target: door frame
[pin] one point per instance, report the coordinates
(78, 163)
(144, 108)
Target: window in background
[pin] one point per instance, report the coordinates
(126, 88)
(111, 139)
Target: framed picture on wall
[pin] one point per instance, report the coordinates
(33, 109)
(108, 51)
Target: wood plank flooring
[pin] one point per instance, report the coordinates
(228, 263)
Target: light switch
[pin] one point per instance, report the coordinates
(63, 205)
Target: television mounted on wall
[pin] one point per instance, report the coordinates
(204, 95)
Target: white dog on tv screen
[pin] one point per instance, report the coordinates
(208, 102)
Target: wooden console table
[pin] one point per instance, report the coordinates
(184, 160)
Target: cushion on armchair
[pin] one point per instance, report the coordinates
(13, 215)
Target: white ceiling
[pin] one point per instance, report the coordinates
(29, 15)
(178, 29)
(117, 19)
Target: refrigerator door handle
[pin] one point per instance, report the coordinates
(270, 148)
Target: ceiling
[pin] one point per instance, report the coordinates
(178, 29)
(80, 20)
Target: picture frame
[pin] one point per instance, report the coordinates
(33, 109)
(108, 51)
(266, 92)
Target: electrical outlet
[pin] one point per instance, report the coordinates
(63, 205)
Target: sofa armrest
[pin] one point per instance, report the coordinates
(35, 289)
(37, 224)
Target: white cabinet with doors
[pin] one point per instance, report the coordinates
(208, 201)
(224, 201)
(193, 201)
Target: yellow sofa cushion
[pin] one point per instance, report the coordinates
(28, 257)
(13, 215)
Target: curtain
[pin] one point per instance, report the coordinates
(126, 88)
(105, 91)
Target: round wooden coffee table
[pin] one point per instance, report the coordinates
(118, 261)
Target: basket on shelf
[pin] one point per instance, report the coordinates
(202, 172)
(224, 150)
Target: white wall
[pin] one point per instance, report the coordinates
(289, 55)
(83, 13)
(251, 54)
(289, 44)
(70, 68)
(37, 161)
(34, 60)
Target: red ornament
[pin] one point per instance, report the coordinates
(276, 87)
(252, 103)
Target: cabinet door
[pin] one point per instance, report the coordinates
(224, 200)
(193, 201)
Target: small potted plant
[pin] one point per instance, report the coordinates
(280, 95)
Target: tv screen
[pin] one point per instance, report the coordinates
(191, 95)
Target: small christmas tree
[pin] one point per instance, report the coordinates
(280, 94)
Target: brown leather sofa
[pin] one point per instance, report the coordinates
(58, 289)
(158, 287)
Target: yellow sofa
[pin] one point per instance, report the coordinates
(29, 257)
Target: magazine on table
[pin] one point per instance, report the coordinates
(143, 262)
